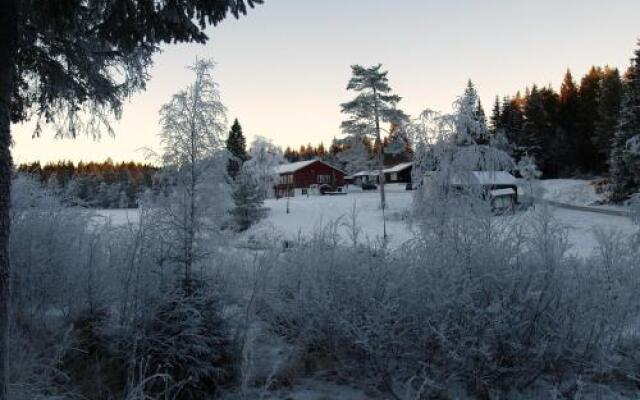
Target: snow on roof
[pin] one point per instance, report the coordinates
(502, 192)
(296, 166)
(395, 168)
(366, 173)
(399, 167)
(293, 167)
(485, 178)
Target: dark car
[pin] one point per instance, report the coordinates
(369, 186)
(324, 189)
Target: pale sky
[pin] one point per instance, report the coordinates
(283, 69)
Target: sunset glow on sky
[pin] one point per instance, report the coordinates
(283, 69)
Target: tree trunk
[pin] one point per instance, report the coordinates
(8, 44)
(383, 202)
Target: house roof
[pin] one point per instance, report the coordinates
(395, 168)
(365, 173)
(399, 167)
(296, 166)
(485, 178)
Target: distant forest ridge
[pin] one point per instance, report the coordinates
(98, 184)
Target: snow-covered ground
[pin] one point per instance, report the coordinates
(307, 214)
(577, 192)
(119, 216)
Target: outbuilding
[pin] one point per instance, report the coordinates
(400, 173)
(299, 177)
(500, 187)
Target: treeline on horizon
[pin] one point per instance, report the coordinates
(96, 184)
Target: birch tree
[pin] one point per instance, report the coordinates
(264, 158)
(193, 124)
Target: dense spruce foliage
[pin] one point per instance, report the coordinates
(569, 132)
(237, 147)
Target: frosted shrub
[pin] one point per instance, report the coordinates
(473, 307)
(100, 310)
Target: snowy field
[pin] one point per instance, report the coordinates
(308, 214)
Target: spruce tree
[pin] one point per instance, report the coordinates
(472, 120)
(569, 123)
(495, 121)
(625, 164)
(554, 147)
(512, 120)
(532, 138)
(588, 100)
(237, 146)
(611, 91)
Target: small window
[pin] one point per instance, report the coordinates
(324, 178)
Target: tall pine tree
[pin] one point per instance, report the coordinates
(373, 105)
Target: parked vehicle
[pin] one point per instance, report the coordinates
(325, 188)
(369, 186)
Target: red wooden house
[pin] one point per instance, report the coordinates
(298, 177)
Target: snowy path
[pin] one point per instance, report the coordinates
(583, 225)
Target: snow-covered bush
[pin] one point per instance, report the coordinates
(248, 202)
(52, 248)
(530, 173)
(473, 307)
(112, 289)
